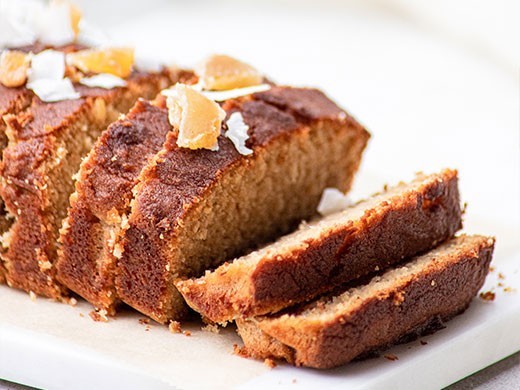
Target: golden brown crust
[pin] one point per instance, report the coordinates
(176, 191)
(439, 288)
(46, 144)
(400, 225)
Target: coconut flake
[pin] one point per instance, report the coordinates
(15, 30)
(54, 90)
(332, 201)
(49, 64)
(52, 24)
(103, 80)
(220, 96)
(46, 77)
(237, 133)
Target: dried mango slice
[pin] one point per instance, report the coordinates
(115, 61)
(221, 72)
(197, 118)
(13, 68)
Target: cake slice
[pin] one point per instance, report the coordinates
(13, 101)
(86, 262)
(410, 300)
(398, 223)
(194, 209)
(46, 142)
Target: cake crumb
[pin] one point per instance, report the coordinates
(99, 315)
(270, 363)
(487, 296)
(81, 315)
(211, 328)
(501, 275)
(509, 289)
(240, 351)
(391, 356)
(500, 284)
(423, 342)
(491, 269)
(32, 295)
(433, 283)
(72, 301)
(144, 321)
(147, 328)
(175, 327)
(187, 333)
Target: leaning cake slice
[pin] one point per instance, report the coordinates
(407, 301)
(400, 222)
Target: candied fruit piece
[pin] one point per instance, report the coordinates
(196, 118)
(115, 61)
(13, 68)
(221, 72)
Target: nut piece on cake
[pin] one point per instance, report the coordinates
(221, 72)
(196, 118)
(14, 65)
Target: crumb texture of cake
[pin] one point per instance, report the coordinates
(46, 143)
(403, 303)
(398, 223)
(86, 262)
(194, 209)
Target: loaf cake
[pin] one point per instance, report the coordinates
(410, 300)
(194, 209)
(398, 223)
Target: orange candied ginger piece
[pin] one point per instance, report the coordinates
(221, 72)
(197, 118)
(114, 61)
(13, 68)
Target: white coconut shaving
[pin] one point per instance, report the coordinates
(49, 64)
(220, 96)
(237, 133)
(15, 29)
(103, 80)
(333, 200)
(46, 77)
(52, 23)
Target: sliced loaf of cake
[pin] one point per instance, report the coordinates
(194, 209)
(412, 299)
(46, 142)
(398, 223)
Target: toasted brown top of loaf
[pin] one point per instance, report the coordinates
(109, 173)
(336, 329)
(200, 168)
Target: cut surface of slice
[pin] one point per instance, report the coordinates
(194, 209)
(412, 299)
(398, 223)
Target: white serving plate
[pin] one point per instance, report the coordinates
(429, 102)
